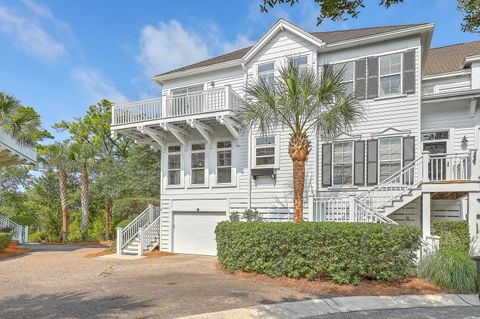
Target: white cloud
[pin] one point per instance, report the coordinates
(170, 45)
(97, 86)
(30, 35)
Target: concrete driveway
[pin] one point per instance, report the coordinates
(59, 282)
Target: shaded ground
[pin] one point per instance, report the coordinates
(58, 282)
(418, 313)
(9, 252)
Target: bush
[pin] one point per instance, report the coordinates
(451, 269)
(5, 239)
(453, 234)
(36, 237)
(23, 220)
(344, 252)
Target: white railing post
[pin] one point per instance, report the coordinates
(25, 235)
(150, 213)
(311, 208)
(20, 233)
(119, 240)
(228, 90)
(164, 106)
(140, 244)
(351, 209)
(114, 120)
(474, 172)
(425, 163)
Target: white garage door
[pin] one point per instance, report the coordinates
(194, 233)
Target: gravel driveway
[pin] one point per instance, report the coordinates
(58, 282)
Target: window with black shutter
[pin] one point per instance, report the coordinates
(359, 163)
(372, 162)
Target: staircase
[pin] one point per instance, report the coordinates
(398, 190)
(141, 235)
(19, 232)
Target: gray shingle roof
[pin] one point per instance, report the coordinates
(328, 37)
(449, 58)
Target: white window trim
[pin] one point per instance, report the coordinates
(379, 95)
(189, 163)
(380, 161)
(233, 180)
(182, 166)
(353, 73)
(254, 153)
(333, 163)
(302, 55)
(258, 74)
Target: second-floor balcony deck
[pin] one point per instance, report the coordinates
(176, 107)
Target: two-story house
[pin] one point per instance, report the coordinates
(411, 159)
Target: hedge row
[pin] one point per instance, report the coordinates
(344, 252)
(453, 234)
(5, 239)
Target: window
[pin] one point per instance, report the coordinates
(348, 74)
(390, 74)
(266, 74)
(342, 163)
(224, 162)
(390, 156)
(187, 89)
(174, 165)
(432, 136)
(265, 151)
(198, 164)
(301, 62)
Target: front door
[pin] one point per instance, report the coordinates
(437, 169)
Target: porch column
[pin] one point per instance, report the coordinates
(473, 210)
(426, 213)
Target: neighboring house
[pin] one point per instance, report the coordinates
(12, 153)
(412, 159)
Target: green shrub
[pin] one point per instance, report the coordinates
(451, 269)
(37, 236)
(5, 239)
(453, 234)
(345, 252)
(23, 220)
(123, 223)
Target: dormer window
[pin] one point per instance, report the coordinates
(266, 74)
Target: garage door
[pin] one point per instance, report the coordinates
(194, 233)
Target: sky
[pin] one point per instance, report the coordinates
(60, 56)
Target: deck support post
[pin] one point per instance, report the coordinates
(25, 234)
(119, 240)
(140, 239)
(425, 163)
(426, 213)
(473, 210)
(351, 201)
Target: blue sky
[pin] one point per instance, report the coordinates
(60, 56)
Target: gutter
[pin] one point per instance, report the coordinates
(451, 96)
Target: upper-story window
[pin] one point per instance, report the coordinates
(266, 74)
(390, 150)
(432, 136)
(301, 62)
(174, 165)
(265, 151)
(198, 164)
(224, 162)
(187, 89)
(342, 163)
(348, 74)
(390, 74)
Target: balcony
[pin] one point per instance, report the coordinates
(12, 152)
(175, 107)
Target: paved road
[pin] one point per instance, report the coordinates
(58, 282)
(417, 313)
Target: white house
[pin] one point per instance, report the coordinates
(412, 159)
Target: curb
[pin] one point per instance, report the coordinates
(319, 307)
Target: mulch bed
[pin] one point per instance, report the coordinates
(158, 253)
(8, 252)
(406, 286)
(152, 254)
(99, 253)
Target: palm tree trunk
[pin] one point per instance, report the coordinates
(298, 150)
(298, 187)
(84, 200)
(108, 214)
(62, 183)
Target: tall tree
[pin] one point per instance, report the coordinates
(341, 9)
(304, 104)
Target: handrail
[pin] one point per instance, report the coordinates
(371, 214)
(131, 230)
(150, 232)
(17, 229)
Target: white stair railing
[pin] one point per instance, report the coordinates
(150, 236)
(17, 230)
(127, 234)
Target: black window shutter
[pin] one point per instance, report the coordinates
(327, 164)
(409, 72)
(359, 163)
(372, 84)
(372, 162)
(360, 79)
(408, 156)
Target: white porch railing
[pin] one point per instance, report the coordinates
(17, 230)
(149, 236)
(346, 209)
(444, 167)
(211, 100)
(127, 234)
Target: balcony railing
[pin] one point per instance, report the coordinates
(212, 100)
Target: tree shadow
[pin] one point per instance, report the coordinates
(70, 305)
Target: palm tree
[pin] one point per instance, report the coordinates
(304, 103)
(21, 122)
